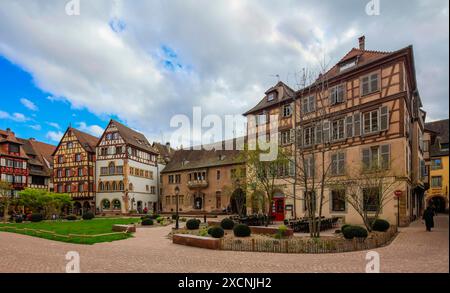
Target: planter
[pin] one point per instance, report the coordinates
(124, 228)
(196, 241)
(269, 231)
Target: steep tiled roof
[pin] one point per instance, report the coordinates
(133, 137)
(88, 141)
(9, 136)
(363, 57)
(40, 154)
(288, 93)
(189, 159)
(440, 128)
(165, 151)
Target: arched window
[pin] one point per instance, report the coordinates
(112, 168)
(114, 185)
(130, 187)
(107, 187)
(121, 186)
(116, 204)
(106, 204)
(101, 186)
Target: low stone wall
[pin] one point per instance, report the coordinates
(196, 241)
(124, 228)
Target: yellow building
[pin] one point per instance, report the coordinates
(437, 194)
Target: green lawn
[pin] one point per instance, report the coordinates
(88, 227)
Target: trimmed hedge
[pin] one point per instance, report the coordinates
(380, 225)
(351, 232)
(227, 224)
(88, 215)
(192, 224)
(242, 230)
(147, 222)
(216, 232)
(71, 218)
(36, 217)
(344, 226)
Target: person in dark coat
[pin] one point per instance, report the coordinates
(428, 216)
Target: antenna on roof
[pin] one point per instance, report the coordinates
(277, 76)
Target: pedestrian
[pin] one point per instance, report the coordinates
(428, 216)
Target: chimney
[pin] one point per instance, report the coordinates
(362, 42)
(8, 130)
(32, 139)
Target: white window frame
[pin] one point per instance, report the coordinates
(337, 138)
(334, 94)
(309, 104)
(287, 110)
(370, 80)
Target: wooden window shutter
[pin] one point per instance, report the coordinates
(357, 124)
(366, 158)
(334, 164)
(341, 163)
(318, 134)
(364, 85)
(384, 118)
(349, 126)
(299, 137)
(385, 156)
(292, 136)
(326, 131)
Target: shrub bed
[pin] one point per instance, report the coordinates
(71, 218)
(380, 225)
(193, 224)
(147, 222)
(36, 218)
(242, 230)
(216, 232)
(351, 232)
(88, 215)
(227, 224)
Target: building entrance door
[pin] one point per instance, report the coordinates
(278, 209)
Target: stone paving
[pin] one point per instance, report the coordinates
(413, 250)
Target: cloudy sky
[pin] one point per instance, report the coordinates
(142, 62)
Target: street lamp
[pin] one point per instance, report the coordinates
(177, 193)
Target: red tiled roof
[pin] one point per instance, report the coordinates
(88, 141)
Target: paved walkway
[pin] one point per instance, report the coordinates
(413, 250)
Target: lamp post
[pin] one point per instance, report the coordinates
(177, 192)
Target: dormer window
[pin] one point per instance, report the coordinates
(271, 96)
(14, 148)
(347, 65)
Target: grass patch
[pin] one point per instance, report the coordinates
(81, 227)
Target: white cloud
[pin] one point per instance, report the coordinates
(36, 127)
(54, 135)
(18, 117)
(91, 129)
(29, 104)
(226, 53)
(54, 124)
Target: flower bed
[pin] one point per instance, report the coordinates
(294, 244)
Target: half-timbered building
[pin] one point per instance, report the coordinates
(126, 171)
(13, 161)
(74, 168)
(364, 111)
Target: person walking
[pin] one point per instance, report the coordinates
(428, 217)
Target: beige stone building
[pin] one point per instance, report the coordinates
(207, 181)
(363, 112)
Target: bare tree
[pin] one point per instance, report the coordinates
(368, 190)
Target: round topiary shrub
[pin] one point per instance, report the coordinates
(71, 218)
(36, 217)
(380, 225)
(147, 222)
(241, 230)
(192, 224)
(19, 219)
(227, 224)
(344, 226)
(216, 232)
(88, 215)
(351, 232)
